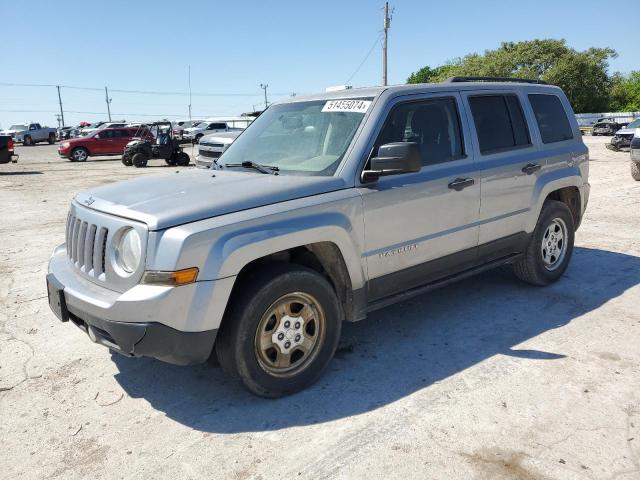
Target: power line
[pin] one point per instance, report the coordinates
(365, 58)
(141, 92)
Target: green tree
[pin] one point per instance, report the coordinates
(582, 75)
(625, 92)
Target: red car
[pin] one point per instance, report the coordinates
(108, 141)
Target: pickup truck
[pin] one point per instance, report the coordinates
(6, 150)
(31, 134)
(326, 208)
(215, 125)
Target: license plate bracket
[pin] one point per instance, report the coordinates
(57, 303)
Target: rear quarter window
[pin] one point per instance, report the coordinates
(551, 118)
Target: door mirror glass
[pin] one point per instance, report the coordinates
(393, 159)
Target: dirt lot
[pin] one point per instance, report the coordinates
(488, 378)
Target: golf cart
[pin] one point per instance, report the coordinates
(166, 146)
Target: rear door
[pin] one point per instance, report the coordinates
(510, 164)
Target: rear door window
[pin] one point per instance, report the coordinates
(551, 118)
(500, 123)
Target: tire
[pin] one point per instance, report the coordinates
(635, 170)
(171, 161)
(126, 160)
(79, 154)
(198, 137)
(51, 139)
(27, 142)
(239, 348)
(139, 160)
(182, 159)
(535, 268)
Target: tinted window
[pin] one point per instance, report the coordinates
(499, 122)
(105, 134)
(552, 119)
(217, 126)
(434, 125)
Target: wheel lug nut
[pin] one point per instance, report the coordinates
(287, 324)
(297, 325)
(287, 344)
(298, 338)
(280, 336)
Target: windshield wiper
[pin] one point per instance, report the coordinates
(256, 166)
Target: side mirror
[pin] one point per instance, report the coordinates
(394, 159)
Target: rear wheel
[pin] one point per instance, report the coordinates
(139, 160)
(281, 331)
(182, 159)
(549, 251)
(79, 154)
(52, 138)
(635, 170)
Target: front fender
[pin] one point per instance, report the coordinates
(223, 245)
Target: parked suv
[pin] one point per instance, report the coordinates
(327, 207)
(106, 141)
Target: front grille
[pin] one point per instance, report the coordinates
(86, 246)
(214, 145)
(207, 153)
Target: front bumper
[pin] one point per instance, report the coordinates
(174, 324)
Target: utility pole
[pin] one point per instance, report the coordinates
(264, 87)
(59, 119)
(60, 102)
(189, 92)
(387, 24)
(108, 100)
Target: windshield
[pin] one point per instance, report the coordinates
(634, 124)
(301, 137)
(18, 127)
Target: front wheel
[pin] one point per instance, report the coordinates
(79, 154)
(126, 160)
(28, 141)
(281, 332)
(550, 247)
(139, 160)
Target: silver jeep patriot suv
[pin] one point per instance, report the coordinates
(324, 209)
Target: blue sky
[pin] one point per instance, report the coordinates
(293, 46)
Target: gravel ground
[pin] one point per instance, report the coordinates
(488, 378)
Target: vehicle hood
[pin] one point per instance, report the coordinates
(186, 196)
(226, 137)
(9, 132)
(628, 131)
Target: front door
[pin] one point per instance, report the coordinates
(423, 226)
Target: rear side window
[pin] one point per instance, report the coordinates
(499, 122)
(552, 119)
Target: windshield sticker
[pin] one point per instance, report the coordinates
(357, 106)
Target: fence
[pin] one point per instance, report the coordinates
(588, 119)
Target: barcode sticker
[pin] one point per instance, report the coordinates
(357, 106)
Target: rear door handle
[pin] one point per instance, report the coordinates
(531, 168)
(461, 183)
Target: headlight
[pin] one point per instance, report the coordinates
(129, 251)
(66, 145)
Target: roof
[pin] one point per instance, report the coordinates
(419, 88)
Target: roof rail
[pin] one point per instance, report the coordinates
(494, 79)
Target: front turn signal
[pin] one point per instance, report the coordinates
(179, 277)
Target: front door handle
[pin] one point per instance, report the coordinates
(531, 168)
(461, 183)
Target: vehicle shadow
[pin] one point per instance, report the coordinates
(24, 172)
(396, 352)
